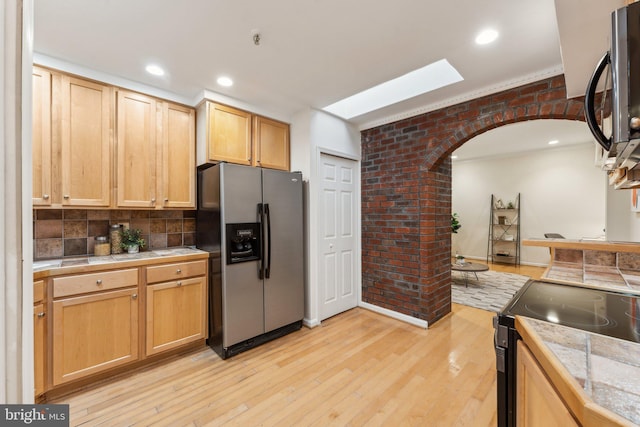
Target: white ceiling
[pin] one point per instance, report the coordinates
(315, 52)
(526, 136)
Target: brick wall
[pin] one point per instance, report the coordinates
(406, 192)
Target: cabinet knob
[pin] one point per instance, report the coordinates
(166, 199)
(179, 283)
(66, 197)
(99, 282)
(134, 296)
(41, 314)
(178, 271)
(45, 196)
(153, 200)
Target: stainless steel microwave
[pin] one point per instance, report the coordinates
(623, 63)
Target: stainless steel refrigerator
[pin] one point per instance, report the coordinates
(250, 221)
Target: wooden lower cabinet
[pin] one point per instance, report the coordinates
(93, 333)
(39, 349)
(39, 338)
(538, 402)
(176, 313)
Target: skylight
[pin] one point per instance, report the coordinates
(414, 83)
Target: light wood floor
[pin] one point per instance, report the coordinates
(357, 368)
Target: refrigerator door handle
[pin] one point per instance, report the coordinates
(262, 257)
(267, 270)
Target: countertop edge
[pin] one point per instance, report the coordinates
(594, 245)
(138, 262)
(581, 405)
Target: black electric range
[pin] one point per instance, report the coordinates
(611, 313)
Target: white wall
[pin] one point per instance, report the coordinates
(314, 132)
(622, 223)
(561, 192)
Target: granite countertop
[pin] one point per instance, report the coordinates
(584, 244)
(606, 369)
(44, 268)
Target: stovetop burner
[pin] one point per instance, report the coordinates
(595, 310)
(569, 315)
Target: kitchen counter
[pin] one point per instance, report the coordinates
(597, 376)
(56, 267)
(593, 263)
(585, 244)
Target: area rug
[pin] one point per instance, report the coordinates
(490, 292)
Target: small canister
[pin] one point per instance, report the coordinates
(101, 246)
(115, 232)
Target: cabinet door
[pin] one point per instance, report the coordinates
(176, 313)
(85, 128)
(538, 403)
(39, 347)
(271, 143)
(41, 137)
(178, 169)
(93, 333)
(228, 134)
(137, 151)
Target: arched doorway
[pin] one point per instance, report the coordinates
(406, 192)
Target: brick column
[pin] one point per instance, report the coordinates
(406, 192)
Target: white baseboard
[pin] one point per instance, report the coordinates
(395, 315)
(310, 323)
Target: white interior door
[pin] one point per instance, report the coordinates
(337, 221)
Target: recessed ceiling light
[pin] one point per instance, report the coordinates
(155, 70)
(225, 81)
(414, 83)
(486, 36)
(553, 142)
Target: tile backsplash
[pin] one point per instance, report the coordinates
(62, 233)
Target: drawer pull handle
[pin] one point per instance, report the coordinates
(179, 283)
(178, 271)
(99, 282)
(41, 314)
(66, 197)
(134, 296)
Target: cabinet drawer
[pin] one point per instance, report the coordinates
(38, 291)
(83, 283)
(163, 273)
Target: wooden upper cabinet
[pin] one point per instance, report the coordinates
(41, 137)
(85, 110)
(137, 150)
(270, 143)
(178, 187)
(228, 134)
(236, 136)
(156, 153)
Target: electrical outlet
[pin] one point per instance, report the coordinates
(125, 225)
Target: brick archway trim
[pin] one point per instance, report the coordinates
(406, 192)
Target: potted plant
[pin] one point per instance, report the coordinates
(455, 223)
(132, 240)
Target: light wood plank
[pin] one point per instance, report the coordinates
(357, 368)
